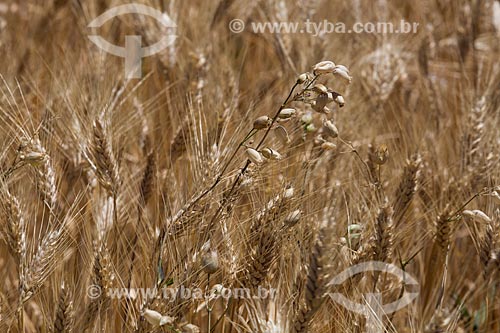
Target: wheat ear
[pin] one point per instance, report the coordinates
(16, 234)
(180, 142)
(105, 161)
(63, 322)
(406, 189)
(103, 279)
(316, 281)
(436, 263)
(383, 241)
(43, 263)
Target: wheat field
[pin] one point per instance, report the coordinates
(253, 162)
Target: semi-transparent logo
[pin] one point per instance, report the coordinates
(133, 52)
(372, 307)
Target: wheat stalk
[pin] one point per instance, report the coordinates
(315, 286)
(406, 189)
(436, 263)
(63, 322)
(105, 161)
(16, 234)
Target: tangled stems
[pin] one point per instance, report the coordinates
(194, 201)
(252, 132)
(200, 196)
(17, 164)
(248, 162)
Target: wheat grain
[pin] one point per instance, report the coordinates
(104, 159)
(63, 322)
(406, 189)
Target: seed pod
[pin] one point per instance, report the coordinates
(320, 102)
(307, 118)
(216, 290)
(302, 78)
(271, 154)
(190, 328)
(323, 67)
(318, 140)
(153, 317)
(320, 89)
(288, 193)
(34, 158)
(496, 195)
(266, 152)
(354, 235)
(286, 113)
(339, 100)
(282, 134)
(210, 262)
(310, 128)
(254, 156)
(262, 122)
(166, 320)
(330, 129)
(381, 154)
(478, 215)
(292, 218)
(328, 145)
(354, 228)
(343, 72)
(156, 319)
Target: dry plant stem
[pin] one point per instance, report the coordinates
(355, 151)
(20, 314)
(209, 309)
(456, 215)
(379, 173)
(221, 174)
(132, 260)
(403, 264)
(144, 196)
(243, 170)
(133, 244)
(252, 132)
(20, 309)
(194, 201)
(240, 174)
(200, 196)
(223, 314)
(115, 208)
(15, 165)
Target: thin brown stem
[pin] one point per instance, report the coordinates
(209, 309)
(457, 214)
(247, 163)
